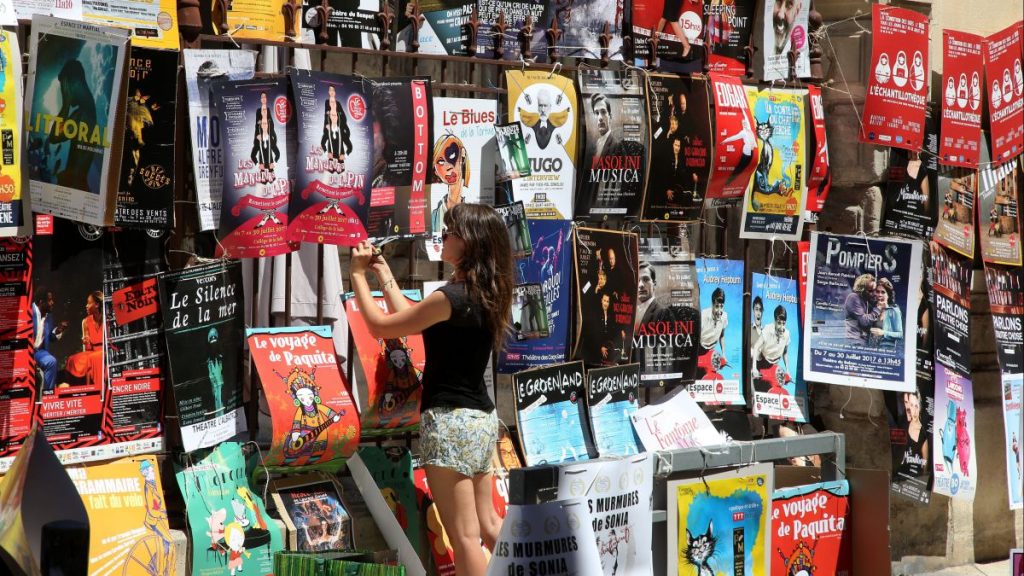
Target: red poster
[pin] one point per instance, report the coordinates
(440, 546)
(809, 529)
(18, 321)
(819, 180)
(735, 140)
(1005, 81)
(803, 249)
(894, 107)
(962, 62)
(135, 302)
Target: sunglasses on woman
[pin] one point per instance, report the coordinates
(446, 233)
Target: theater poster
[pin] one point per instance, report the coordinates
(606, 274)
(955, 461)
(72, 142)
(314, 419)
(999, 211)
(153, 23)
(858, 324)
(549, 265)
(613, 394)
(681, 148)
(516, 13)
(962, 98)
(784, 30)
(350, 24)
(462, 160)
(811, 529)
(555, 537)
(1012, 388)
(912, 190)
(777, 382)
(334, 162)
(728, 30)
(956, 227)
(547, 108)
(669, 35)
(15, 217)
(202, 68)
(392, 369)
(675, 422)
(720, 377)
(737, 146)
(583, 22)
(1004, 85)
(773, 207)
(819, 174)
(951, 287)
(666, 327)
(442, 29)
(911, 416)
(204, 318)
(550, 405)
(1006, 301)
(18, 386)
(314, 513)
(401, 147)
(894, 107)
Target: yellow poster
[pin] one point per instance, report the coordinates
(14, 214)
(153, 23)
(128, 533)
(262, 19)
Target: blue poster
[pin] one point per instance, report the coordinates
(612, 397)
(1013, 391)
(862, 298)
(779, 388)
(549, 411)
(720, 348)
(550, 265)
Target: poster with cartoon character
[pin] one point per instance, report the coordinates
(955, 462)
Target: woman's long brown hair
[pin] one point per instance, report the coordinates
(486, 263)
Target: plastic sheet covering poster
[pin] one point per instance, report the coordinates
(911, 193)
(951, 289)
(737, 146)
(203, 314)
(962, 67)
(442, 28)
(512, 159)
(774, 205)
(462, 160)
(514, 216)
(810, 529)
(681, 148)
(312, 509)
(784, 30)
(1006, 303)
(618, 495)
(955, 227)
(857, 316)
(720, 376)
(311, 409)
(252, 19)
(612, 396)
(128, 531)
(231, 530)
(153, 23)
(551, 538)
(549, 265)
(334, 164)
(617, 134)
(14, 207)
(1005, 77)
(667, 323)
(999, 212)
(202, 68)
(145, 196)
(911, 416)
(819, 173)
(391, 470)
(897, 96)
(401, 147)
(777, 383)
(676, 422)
(351, 24)
(18, 320)
(607, 274)
(515, 13)
(547, 108)
(74, 95)
(720, 523)
(668, 34)
(392, 368)
(955, 461)
(1012, 388)
(583, 22)
(550, 414)
(256, 118)
(729, 26)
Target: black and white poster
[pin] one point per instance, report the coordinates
(551, 414)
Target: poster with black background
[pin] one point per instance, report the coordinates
(912, 189)
(349, 23)
(728, 29)
(1006, 300)
(613, 170)
(606, 274)
(516, 13)
(145, 195)
(681, 148)
(204, 319)
(442, 29)
(550, 414)
(951, 283)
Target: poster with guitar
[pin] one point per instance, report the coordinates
(314, 419)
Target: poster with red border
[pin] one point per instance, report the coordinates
(962, 63)
(1004, 80)
(810, 529)
(897, 96)
(736, 145)
(819, 177)
(17, 377)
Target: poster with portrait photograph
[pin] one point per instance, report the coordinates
(1006, 303)
(784, 30)
(811, 527)
(962, 59)
(729, 27)
(613, 395)
(547, 108)
(204, 319)
(551, 419)
(911, 191)
(606, 276)
(461, 162)
(857, 320)
(516, 14)
(955, 227)
(910, 416)
(720, 376)
(681, 148)
(1004, 85)
(951, 287)
(314, 513)
(774, 205)
(442, 28)
(819, 174)
(351, 24)
(999, 211)
(778, 386)
(1012, 390)
(333, 171)
(19, 327)
(15, 216)
(668, 35)
(955, 462)
(736, 144)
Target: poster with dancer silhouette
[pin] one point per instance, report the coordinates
(314, 419)
(778, 387)
(668, 35)
(334, 162)
(962, 67)
(955, 462)
(897, 96)
(681, 148)
(74, 98)
(256, 121)
(811, 529)
(1004, 84)
(736, 143)
(999, 188)
(955, 227)
(204, 316)
(819, 174)
(15, 216)
(18, 386)
(613, 395)
(351, 24)
(314, 513)
(784, 30)
(607, 270)
(729, 27)
(719, 375)
(774, 205)
(550, 405)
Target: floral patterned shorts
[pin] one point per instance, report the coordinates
(460, 439)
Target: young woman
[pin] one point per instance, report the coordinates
(461, 323)
(88, 363)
